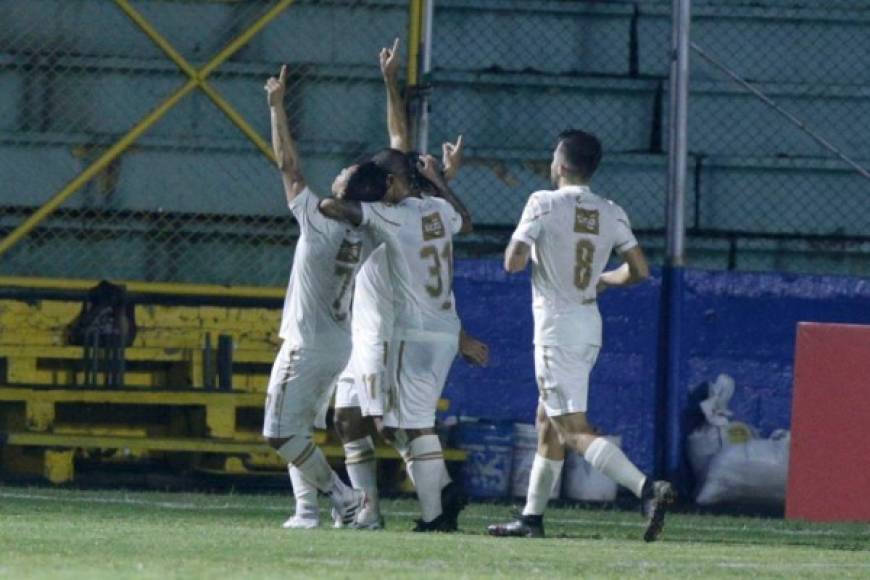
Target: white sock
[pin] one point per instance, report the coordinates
(309, 459)
(545, 473)
(305, 494)
(427, 470)
(400, 443)
(359, 459)
(612, 462)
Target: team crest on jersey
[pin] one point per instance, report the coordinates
(433, 227)
(586, 221)
(349, 252)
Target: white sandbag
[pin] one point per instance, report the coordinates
(755, 471)
(706, 442)
(718, 432)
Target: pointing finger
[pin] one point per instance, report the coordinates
(283, 77)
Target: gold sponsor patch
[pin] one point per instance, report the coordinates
(586, 221)
(433, 227)
(349, 252)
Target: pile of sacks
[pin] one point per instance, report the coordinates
(729, 462)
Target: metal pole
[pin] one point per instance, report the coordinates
(678, 144)
(425, 68)
(671, 392)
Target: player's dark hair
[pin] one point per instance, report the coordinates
(393, 162)
(582, 152)
(367, 184)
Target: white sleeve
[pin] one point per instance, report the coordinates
(623, 237)
(454, 220)
(529, 227)
(381, 220)
(305, 209)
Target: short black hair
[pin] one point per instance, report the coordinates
(394, 162)
(582, 152)
(367, 183)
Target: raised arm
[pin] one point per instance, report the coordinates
(634, 270)
(516, 256)
(343, 210)
(282, 144)
(397, 119)
(428, 167)
(451, 158)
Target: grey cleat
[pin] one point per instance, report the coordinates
(657, 497)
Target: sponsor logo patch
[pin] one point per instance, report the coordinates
(433, 227)
(586, 221)
(349, 252)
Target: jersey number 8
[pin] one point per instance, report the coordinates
(583, 264)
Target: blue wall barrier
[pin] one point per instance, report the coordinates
(742, 324)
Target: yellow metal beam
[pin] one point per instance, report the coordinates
(129, 396)
(95, 168)
(196, 80)
(175, 289)
(157, 38)
(197, 75)
(30, 439)
(415, 35)
(242, 39)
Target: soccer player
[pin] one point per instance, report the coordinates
(360, 389)
(315, 322)
(417, 234)
(569, 235)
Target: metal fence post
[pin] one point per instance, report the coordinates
(425, 68)
(670, 400)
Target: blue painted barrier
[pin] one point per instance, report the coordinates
(738, 323)
(487, 471)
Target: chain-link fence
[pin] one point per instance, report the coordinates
(165, 97)
(512, 75)
(778, 115)
(193, 199)
(763, 193)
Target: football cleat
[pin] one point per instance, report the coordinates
(440, 524)
(368, 519)
(522, 527)
(656, 498)
(345, 507)
(453, 500)
(301, 522)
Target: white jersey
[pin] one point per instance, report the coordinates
(572, 233)
(418, 238)
(328, 255)
(373, 299)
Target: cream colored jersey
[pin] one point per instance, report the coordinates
(328, 256)
(373, 299)
(572, 233)
(418, 239)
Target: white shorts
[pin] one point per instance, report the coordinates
(417, 373)
(362, 383)
(300, 388)
(563, 377)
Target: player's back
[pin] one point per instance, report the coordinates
(325, 262)
(418, 238)
(575, 234)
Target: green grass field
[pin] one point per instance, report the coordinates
(52, 533)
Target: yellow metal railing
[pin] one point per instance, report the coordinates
(197, 79)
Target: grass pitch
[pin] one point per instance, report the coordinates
(51, 533)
